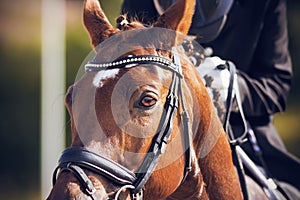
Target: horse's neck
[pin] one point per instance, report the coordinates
(210, 144)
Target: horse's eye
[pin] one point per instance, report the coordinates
(148, 101)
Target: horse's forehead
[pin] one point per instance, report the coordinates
(132, 75)
(149, 72)
(100, 78)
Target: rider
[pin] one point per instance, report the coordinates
(255, 39)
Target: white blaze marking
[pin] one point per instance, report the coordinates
(101, 76)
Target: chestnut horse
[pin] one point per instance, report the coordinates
(144, 128)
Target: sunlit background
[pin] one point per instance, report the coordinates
(20, 87)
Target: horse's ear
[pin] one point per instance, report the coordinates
(178, 17)
(96, 22)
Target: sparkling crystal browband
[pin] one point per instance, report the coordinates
(145, 59)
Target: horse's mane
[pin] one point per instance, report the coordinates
(133, 38)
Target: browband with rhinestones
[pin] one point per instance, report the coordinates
(145, 59)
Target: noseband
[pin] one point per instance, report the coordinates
(75, 159)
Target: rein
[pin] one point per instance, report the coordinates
(75, 159)
(240, 158)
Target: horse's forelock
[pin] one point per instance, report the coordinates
(131, 24)
(144, 41)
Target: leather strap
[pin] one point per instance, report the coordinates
(99, 164)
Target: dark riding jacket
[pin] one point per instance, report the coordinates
(255, 39)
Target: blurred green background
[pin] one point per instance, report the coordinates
(20, 78)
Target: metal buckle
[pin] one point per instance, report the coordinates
(137, 196)
(90, 189)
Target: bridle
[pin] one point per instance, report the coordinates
(75, 159)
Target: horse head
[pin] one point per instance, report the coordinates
(143, 125)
